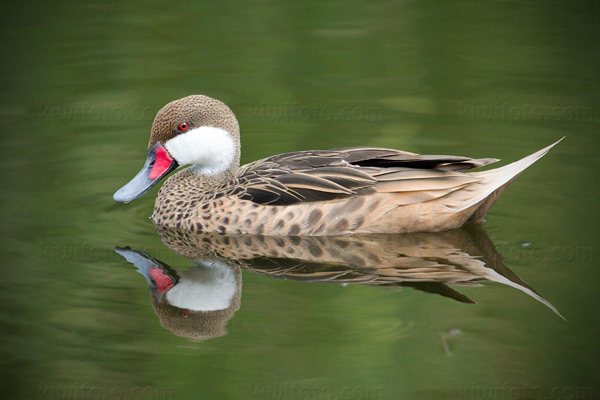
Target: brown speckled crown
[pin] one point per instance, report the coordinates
(196, 110)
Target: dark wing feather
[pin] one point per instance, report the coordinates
(378, 157)
(325, 175)
(438, 162)
(271, 184)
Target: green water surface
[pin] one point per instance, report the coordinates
(81, 82)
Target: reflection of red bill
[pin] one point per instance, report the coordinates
(163, 282)
(162, 163)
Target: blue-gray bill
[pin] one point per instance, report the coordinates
(157, 166)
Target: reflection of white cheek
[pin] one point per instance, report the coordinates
(210, 287)
(210, 149)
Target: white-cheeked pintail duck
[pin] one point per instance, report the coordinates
(318, 192)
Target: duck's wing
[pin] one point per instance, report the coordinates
(375, 157)
(325, 175)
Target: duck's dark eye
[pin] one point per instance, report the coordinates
(183, 127)
(185, 313)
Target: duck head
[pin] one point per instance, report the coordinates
(195, 130)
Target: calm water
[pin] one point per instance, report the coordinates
(81, 83)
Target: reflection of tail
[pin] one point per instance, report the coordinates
(523, 287)
(495, 181)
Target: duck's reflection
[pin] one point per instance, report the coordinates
(198, 302)
(194, 303)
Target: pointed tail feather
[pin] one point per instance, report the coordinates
(523, 287)
(496, 178)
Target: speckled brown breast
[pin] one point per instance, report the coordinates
(183, 204)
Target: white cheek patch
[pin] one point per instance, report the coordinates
(210, 287)
(210, 149)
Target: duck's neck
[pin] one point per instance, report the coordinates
(214, 176)
(194, 183)
(183, 193)
(210, 178)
